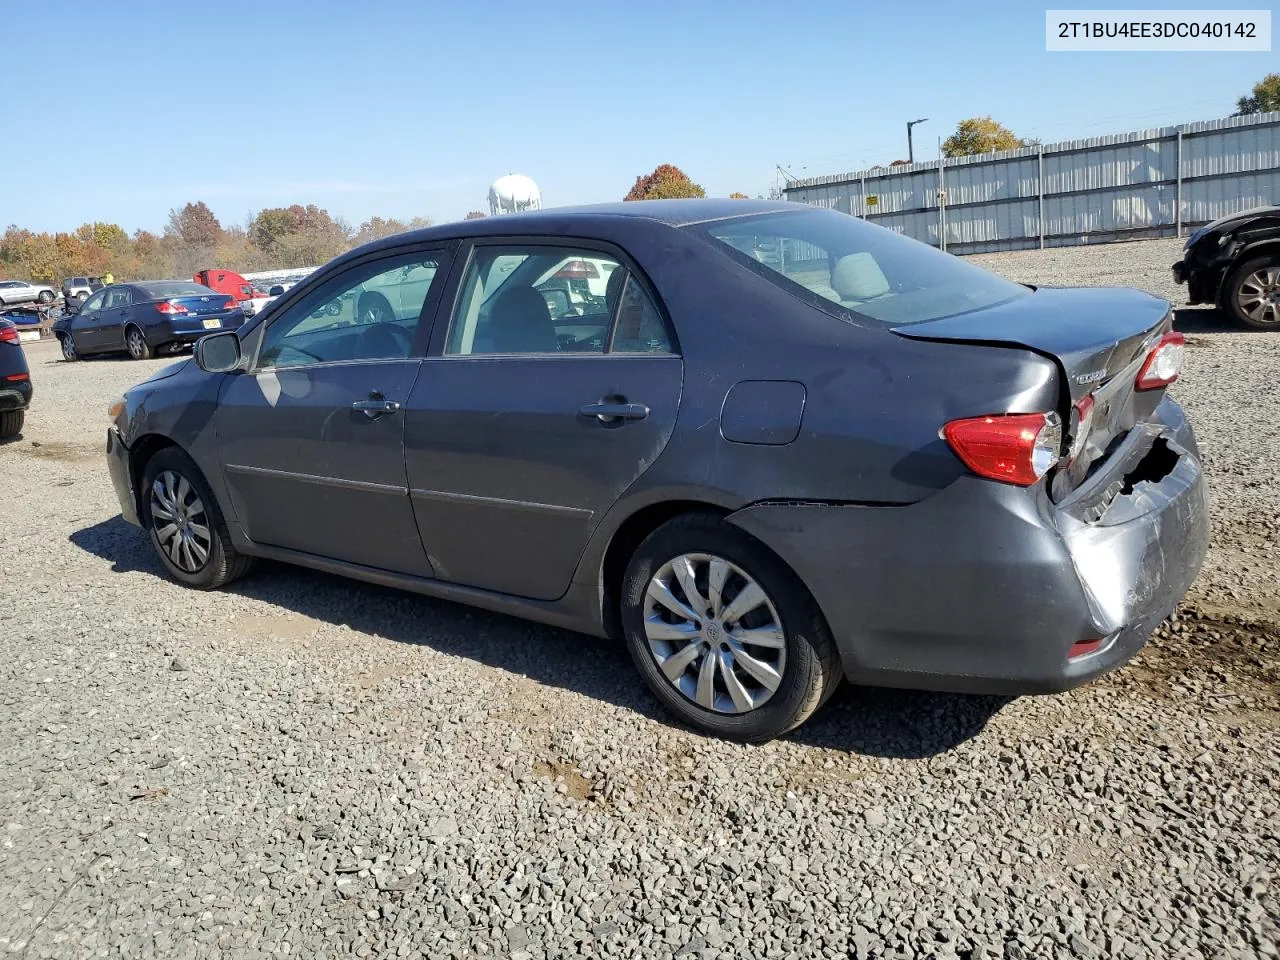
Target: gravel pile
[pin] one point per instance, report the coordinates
(306, 766)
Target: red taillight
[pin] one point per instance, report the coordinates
(1163, 363)
(575, 269)
(1084, 421)
(1084, 648)
(1017, 448)
(9, 333)
(18, 376)
(230, 304)
(164, 306)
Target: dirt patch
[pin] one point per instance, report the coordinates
(274, 627)
(576, 785)
(58, 450)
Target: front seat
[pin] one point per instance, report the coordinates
(521, 323)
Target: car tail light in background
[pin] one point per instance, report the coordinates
(1081, 425)
(230, 304)
(578, 269)
(1017, 448)
(8, 332)
(164, 306)
(1163, 363)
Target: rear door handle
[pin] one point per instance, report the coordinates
(608, 412)
(376, 408)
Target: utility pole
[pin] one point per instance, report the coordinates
(911, 154)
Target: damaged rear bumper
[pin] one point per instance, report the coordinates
(987, 588)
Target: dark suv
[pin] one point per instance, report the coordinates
(1235, 263)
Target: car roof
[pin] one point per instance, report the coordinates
(568, 221)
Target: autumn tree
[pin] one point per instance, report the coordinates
(475, 215)
(667, 182)
(1264, 98)
(979, 135)
(195, 225)
(375, 228)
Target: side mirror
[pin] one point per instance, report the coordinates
(218, 352)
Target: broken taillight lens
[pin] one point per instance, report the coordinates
(1163, 363)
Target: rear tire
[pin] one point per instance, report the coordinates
(136, 343)
(774, 660)
(45, 296)
(177, 504)
(1251, 293)
(11, 423)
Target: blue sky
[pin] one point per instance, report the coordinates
(412, 107)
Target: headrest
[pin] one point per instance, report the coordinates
(858, 277)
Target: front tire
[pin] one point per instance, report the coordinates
(45, 296)
(68, 348)
(723, 633)
(1251, 293)
(136, 343)
(11, 423)
(185, 524)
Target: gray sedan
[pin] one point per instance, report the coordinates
(780, 448)
(19, 291)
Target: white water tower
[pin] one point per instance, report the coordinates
(512, 193)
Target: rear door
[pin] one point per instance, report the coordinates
(311, 437)
(533, 414)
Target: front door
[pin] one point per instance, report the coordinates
(110, 319)
(539, 410)
(311, 437)
(86, 329)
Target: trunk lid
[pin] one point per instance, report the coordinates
(209, 303)
(1099, 338)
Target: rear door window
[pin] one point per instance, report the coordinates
(854, 269)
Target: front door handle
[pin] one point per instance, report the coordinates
(376, 407)
(612, 412)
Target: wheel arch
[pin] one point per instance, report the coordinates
(628, 535)
(144, 448)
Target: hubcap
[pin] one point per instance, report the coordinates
(135, 343)
(1259, 296)
(179, 521)
(68, 348)
(714, 633)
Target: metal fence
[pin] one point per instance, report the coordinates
(1151, 183)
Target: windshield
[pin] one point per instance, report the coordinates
(835, 260)
(176, 288)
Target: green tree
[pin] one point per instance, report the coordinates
(1264, 98)
(667, 182)
(269, 226)
(979, 135)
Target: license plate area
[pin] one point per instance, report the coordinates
(213, 324)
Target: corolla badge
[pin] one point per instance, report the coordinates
(1091, 377)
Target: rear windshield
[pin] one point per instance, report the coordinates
(174, 288)
(853, 269)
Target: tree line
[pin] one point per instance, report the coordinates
(193, 239)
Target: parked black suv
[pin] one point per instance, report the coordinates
(15, 381)
(1235, 263)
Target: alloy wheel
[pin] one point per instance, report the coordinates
(714, 633)
(137, 345)
(180, 523)
(68, 348)
(1259, 295)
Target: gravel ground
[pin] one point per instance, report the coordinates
(306, 766)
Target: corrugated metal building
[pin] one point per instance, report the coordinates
(1151, 183)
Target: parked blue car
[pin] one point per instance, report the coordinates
(144, 319)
